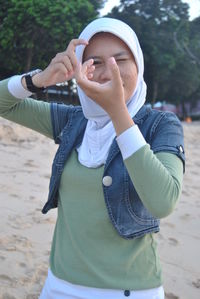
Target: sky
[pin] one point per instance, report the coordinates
(194, 7)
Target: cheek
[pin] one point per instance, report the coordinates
(129, 81)
(129, 72)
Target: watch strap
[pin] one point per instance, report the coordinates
(30, 86)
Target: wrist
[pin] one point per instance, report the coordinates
(37, 80)
(23, 81)
(122, 120)
(32, 81)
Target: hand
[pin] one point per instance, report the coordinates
(61, 68)
(109, 95)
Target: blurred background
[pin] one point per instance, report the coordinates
(33, 31)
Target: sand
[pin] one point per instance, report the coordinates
(26, 234)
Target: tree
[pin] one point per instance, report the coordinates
(170, 72)
(33, 31)
(186, 75)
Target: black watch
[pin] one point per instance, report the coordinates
(29, 83)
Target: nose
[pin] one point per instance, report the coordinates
(105, 73)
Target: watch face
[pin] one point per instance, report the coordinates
(33, 72)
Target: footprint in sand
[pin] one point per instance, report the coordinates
(196, 283)
(171, 296)
(29, 163)
(168, 224)
(194, 172)
(46, 176)
(5, 278)
(18, 222)
(8, 296)
(173, 241)
(16, 243)
(32, 296)
(185, 193)
(22, 265)
(2, 258)
(14, 195)
(185, 216)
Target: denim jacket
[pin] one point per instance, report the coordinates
(161, 130)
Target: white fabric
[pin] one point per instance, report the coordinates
(56, 288)
(130, 141)
(16, 88)
(100, 132)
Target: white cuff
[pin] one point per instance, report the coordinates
(130, 141)
(16, 88)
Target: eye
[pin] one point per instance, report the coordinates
(121, 60)
(97, 62)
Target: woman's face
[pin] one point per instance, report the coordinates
(105, 45)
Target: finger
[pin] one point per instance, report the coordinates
(73, 59)
(76, 42)
(115, 73)
(88, 65)
(65, 60)
(85, 71)
(71, 50)
(68, 64)
(90, 76)
(88, 86)
(58, 57)
(58, 73)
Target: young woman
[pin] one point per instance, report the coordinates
(117, 171)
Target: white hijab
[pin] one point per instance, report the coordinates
(100, 132)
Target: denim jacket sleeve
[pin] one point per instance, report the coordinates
(167, 136)
(157, 179)
(158, 183)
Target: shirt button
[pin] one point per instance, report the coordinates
(127, 293)
(107, 181)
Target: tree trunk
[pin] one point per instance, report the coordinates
(29, 59)
(184, 112)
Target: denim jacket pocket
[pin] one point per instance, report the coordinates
(136, 208)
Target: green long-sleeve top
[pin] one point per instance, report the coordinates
(86, 249)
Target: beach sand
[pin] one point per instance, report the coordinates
(26, 234)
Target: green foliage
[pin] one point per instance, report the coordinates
(171, 47)
(33, 31)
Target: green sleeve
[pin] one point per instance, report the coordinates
(30, 113)
(157, 179)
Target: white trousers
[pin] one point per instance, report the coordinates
(55, 288)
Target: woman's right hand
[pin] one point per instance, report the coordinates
(61, 68)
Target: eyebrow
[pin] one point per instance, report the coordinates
(114, 55)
